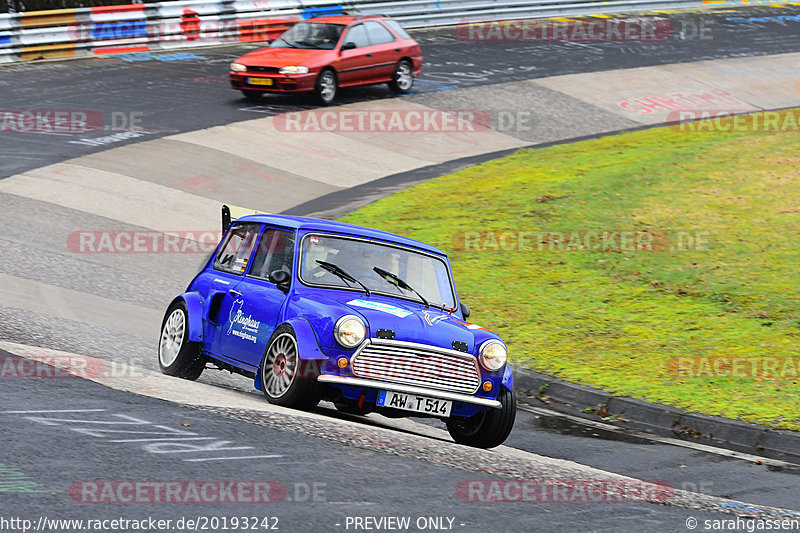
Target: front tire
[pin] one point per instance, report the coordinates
(402, 78)
(489, 428)
(326, 87)
(286, 379)
(177, 355)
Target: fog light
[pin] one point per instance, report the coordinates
(487, 385)
(342, 362)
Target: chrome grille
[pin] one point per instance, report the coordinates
(417, 364)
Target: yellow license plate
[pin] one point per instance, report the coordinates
(259, 81)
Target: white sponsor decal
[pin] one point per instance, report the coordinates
(244, 327)
(377, 306)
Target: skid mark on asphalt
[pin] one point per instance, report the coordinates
(176, 442)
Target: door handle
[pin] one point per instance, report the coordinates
(234, 293)
(369, 55)
(398, 49)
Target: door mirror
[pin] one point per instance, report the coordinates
(280, 278)
(349, 45)
(464, 310)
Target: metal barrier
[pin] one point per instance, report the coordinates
(425, 14)
(190, 23)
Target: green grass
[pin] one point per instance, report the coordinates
(619, 320)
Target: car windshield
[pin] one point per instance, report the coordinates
(425, 273)
(317, 35)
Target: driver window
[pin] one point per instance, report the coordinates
(357, 35)
(275, 252)
(235, 253)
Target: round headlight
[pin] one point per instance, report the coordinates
(238, 67)
(294, 70)
(493, 355)
(349, 331)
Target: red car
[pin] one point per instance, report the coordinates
(322, 54)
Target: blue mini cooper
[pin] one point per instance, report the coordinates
(371, 321)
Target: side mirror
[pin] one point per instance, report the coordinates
(464, 310)
(349, 45)
(280, 278)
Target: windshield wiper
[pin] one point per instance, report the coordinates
(339, 271)
(398, 282)
(309, 44)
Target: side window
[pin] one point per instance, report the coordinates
(235, 253)
(378, 34)
(275, 252)
(358, 35)
(397, 28)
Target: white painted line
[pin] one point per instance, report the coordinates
(54, 411)
(171, 439)
(230, 458)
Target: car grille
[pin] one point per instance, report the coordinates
(263, 69)
(417, 364)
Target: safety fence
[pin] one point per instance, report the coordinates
(187, 23)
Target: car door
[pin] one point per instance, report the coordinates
(229, 268)
(384, 48)
(257, 302)
(355, 66)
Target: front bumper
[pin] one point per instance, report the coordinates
(408, 389)
(282, 83)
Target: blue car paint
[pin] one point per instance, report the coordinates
(194, 311)
(312, 312)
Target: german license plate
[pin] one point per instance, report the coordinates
(259, 81)
(413, 402)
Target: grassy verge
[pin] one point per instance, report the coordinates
(704, 316)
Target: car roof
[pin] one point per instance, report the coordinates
(343, 19)
(316, 224)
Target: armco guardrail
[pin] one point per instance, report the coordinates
(143, 27)
(425, 14)
(187, 23)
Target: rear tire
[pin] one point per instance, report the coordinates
(402, 77)
(489, 428)
(326, 87)
(286, 379)
(177, 355)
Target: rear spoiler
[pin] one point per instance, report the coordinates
(231, 213)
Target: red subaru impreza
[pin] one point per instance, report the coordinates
(322, 54)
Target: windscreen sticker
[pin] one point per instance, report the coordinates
(377, 306)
